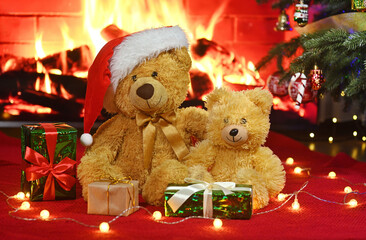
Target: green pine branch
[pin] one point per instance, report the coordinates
(285, 49)
(341, 56)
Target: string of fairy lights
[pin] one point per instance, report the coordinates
(284, 198)
(331, 175)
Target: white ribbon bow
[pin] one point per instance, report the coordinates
(185, 192)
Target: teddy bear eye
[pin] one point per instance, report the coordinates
(154, 74)
(243, 121)
(134, 78)
(226, 120)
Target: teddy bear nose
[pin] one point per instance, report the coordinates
(234, 132)
(146, 91)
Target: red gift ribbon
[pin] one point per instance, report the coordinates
(43, 167)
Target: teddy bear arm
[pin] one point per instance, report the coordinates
(98, 161)
(271, 169)
(192, 123)
(96, 166)
(203, 154)
(199, 160)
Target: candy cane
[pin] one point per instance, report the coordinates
(301, 89)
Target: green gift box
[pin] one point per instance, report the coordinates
(48, 166)
(208, 200)
(359, 5)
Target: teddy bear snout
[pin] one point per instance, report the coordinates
(234, 135)
(146, 91)
(148, 94)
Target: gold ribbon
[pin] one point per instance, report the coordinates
(113, 181)
(165, 121)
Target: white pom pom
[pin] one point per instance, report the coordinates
(86, 139)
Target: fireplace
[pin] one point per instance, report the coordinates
(47, 46)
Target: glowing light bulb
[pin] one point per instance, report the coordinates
(332, 175)
(312, 135)
(295, 205)
(157, 215)
(217, 223)
(20, 195)
(347, 189)
(289, 161)
(354, 133)
(276, 101)
(281, 196)
(353, 202)
(312, 146)
(364, 138)
(343, 94)
(104, 227)
(27, 195)
(25, 205)
(330, 139)
(334, 120)
(297, 170)
(355, 117)
(44, 214)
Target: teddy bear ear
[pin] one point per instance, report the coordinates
(182, 56)
(108, 101)
(216, 96)
(262, 98)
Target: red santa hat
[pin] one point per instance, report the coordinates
(116, 60)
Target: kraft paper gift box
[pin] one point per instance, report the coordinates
(109, 198)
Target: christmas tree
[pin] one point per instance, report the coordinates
(334, 41)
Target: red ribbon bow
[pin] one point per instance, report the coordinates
(43, 167)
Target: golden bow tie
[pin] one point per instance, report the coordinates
(149, 133)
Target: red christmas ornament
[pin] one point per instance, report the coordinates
(316, 77)
(300, 89)
(274, 85)
(301, 15)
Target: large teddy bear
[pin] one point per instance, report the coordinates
(238, 125)
(146, 77)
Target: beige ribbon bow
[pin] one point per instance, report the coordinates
(165, 121)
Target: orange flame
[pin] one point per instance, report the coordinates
(38, 46)
(152, 13)
(68, 41)
(45, 84)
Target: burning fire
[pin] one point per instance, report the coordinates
(152, 13)
(43, 83)
(221, 66)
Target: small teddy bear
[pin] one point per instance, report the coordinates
(237, 127)
(145, 76)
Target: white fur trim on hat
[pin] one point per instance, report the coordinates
(141, 46)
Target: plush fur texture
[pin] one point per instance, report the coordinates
(238, 125)
(117, 150)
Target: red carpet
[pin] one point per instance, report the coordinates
(315, 219)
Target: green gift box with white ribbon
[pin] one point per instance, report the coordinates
(211, 200)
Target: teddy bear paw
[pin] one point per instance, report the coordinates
(260, 197)
(170, 171)
(199, 173)
(260, 191)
